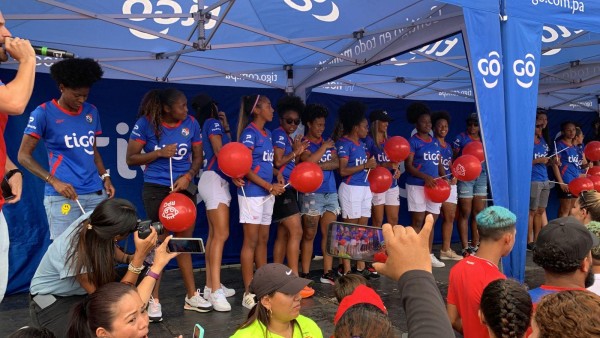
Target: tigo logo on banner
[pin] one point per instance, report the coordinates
(490, 69)
(525, 68)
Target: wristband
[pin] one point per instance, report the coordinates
(47, 179)
(11, 172)
(104, 176)
(136, 270)
(152, 274)
(188, 176)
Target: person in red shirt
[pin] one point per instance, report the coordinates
(468, 278)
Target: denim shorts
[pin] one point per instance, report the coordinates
(61, 211)
(315, 204)
(477, 187)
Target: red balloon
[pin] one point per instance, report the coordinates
(474, 148)
(342, 242)
(466, 168)
(380, 257)
(440, 193)
(592, 151)
(396, 148)
(594, 171)
(580, 184)
(306, 177)
(177, 212)
(596, 180)
(235, 160)
(380, 180)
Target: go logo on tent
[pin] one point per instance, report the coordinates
(523, 68)
(307, 6)
(490, 69)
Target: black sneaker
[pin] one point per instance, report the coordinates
(328, 278)
(466, 252)
(372, 270)
(530, 246)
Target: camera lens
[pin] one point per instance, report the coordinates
(158, 226)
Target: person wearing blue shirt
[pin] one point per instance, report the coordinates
(68, 127)
(285, 210)
(354, 191)
(254, 197)
(388, 201)
(321, 207)
(423, 166)
(540, 185)
(567, 168)
(471, 194)
(441, 121)
(213, 189)
(172, 153)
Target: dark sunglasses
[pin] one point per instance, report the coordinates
(290, 121)
(539, 126)
(474, 124)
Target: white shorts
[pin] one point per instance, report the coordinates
(390, 197)
(252, 212)
(355, 201)
(453, 195)
(213, 190)
(417, 201)
(4, 244)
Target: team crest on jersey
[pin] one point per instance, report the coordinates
(185, 131)
(89, 118)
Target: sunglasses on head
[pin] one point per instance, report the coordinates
(582, 195)
(290, 121)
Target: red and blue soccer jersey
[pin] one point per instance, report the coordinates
(569, 161)
(212, 128)
(328, 185)
(261, 144)
(426, 158)
(460, 142)
(379, 154)
(357, 156)
(69, 139)
(446, 156)
(186, 134)
(539, 172)
(283, 141)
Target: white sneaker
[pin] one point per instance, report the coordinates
(154, 311)
(219, 302)
(197, 303)
(436, 263)
(450, 255)
(248, 301)
(226, 291)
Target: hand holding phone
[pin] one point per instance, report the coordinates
(186, 245)
(353, 241)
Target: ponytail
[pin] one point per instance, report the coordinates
(78, 326)
(249, 102)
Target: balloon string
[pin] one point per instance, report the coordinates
(171, 172)
(367, 177)
(246, 201)
(269, 197)
(558, 151)
(558, 182)
(437, 178)
(80, 207)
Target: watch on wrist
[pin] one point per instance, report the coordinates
(104, 176)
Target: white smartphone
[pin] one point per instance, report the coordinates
(186, 245)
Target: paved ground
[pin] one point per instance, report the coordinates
(321, 308)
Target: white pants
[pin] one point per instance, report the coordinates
(4, 244)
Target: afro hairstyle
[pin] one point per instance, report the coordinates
(351, 114)
(415, 110)
(314, 111)
(440, 115)
(290, 103)
(76, 73)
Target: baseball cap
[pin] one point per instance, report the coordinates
(200, 101)
(276, 277)
(568, 235)
(380, 115)
(361, 295)
(473, 117)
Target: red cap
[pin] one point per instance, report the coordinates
(361, 295)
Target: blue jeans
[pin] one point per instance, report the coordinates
(61, 211)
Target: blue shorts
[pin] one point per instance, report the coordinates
(315, 204)
(477, 187)
(61, 211)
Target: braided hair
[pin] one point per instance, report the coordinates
(507, 308)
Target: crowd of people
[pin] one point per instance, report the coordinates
(87, 280)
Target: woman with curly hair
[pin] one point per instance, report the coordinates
(68, 126)
(505, 309)
(572, 314)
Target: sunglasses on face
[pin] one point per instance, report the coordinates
(473, 124)
(292, 121)
(539, 126)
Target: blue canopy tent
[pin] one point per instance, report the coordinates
(411, 50)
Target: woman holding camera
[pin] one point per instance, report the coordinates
(83, 258)
(172, 145)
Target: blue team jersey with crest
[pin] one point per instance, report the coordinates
(379, 154)
(328, 185)
(426, 158)
(69, 139)
(261, 144)
(580, 148)
(446, 156)
(569, 161)
(460, 142)
(357, 156)
(283, 141)
(211, 128)
(186, 134)
(539, 172)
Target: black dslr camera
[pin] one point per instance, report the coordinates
(143, 228)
